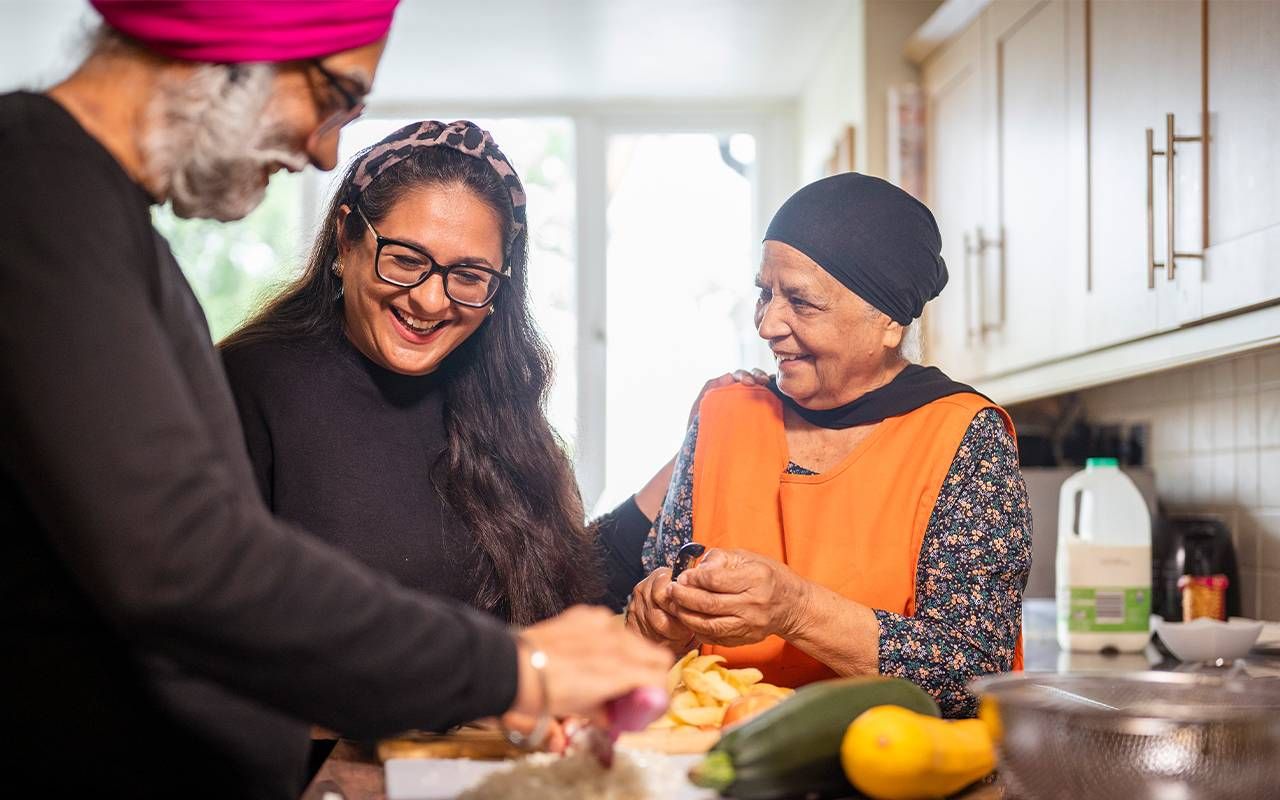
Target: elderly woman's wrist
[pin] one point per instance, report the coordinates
(799, 609)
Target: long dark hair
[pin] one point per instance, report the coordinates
(504, 474)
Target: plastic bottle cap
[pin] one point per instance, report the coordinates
(1101, 462)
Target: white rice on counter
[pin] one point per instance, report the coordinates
(542, 776)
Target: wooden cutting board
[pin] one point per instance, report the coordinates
(475, 743)
(490, 745)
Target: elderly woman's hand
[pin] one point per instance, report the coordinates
(736, 597)
(652, 613)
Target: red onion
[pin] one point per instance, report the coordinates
(635, 709)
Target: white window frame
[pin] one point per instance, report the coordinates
(774, 126)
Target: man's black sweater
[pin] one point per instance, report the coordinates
(155, 613)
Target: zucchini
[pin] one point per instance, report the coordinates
(793, 749)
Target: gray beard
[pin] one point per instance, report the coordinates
(211, 137)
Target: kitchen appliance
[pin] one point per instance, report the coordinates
(1137, 735)
(1191, 545)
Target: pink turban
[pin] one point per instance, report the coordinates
(231, 31)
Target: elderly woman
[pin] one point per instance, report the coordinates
(865, 515)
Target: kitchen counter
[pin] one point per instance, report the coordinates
(352, 772)
(1042, 654)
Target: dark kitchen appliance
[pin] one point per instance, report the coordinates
(1191, 545)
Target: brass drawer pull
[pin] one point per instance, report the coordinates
(1169, 152)
(983, 245)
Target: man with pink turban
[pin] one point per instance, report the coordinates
(165, 635)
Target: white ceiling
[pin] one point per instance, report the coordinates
(530, 51)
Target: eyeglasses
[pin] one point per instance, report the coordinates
(406, 265)
(353, 104)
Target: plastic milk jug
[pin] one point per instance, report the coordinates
(1104, 561)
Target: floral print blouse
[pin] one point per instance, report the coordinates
(970, 575)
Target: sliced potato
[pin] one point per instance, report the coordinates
(721, 689)
(699, 716)
(742, 679)
(673, 674)
(707, 701)
(684, 698)
(771, 690)
(703, 663)
(702, 689)
(711, 685)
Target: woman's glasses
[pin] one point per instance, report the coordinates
(406, 265)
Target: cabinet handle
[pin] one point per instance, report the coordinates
(1152, 264)
(968, 288)
(1171, 192)
(1169, 152)
(985, 244)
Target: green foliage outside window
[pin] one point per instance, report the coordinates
(234, 266)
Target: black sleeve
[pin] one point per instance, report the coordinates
(257, 433)
(108, 447)
(620, 535)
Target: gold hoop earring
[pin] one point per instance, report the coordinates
(337, 267)
(491, 310)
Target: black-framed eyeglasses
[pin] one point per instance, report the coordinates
(405, 265)
(353, 103)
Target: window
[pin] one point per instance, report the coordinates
(233, 267)
(542, 151)
(680, 300)
(644, 237)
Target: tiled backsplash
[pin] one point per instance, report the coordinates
(1215, 448)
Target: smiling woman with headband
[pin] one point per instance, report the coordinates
(392, 396)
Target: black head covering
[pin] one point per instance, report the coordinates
(883, 245)
(877, 240)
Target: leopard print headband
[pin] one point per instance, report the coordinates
(464, 136)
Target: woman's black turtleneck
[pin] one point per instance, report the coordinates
(344, 448)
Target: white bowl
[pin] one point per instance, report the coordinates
(1207, 639)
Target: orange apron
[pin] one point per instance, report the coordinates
(855, 529)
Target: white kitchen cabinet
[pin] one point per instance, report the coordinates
(1033, 274)
(1129, 163)
(1242, 263)
(952, 80)
(1145, 65)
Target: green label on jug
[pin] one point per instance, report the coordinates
(1109, 610)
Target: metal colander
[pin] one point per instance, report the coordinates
(1137, 736)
